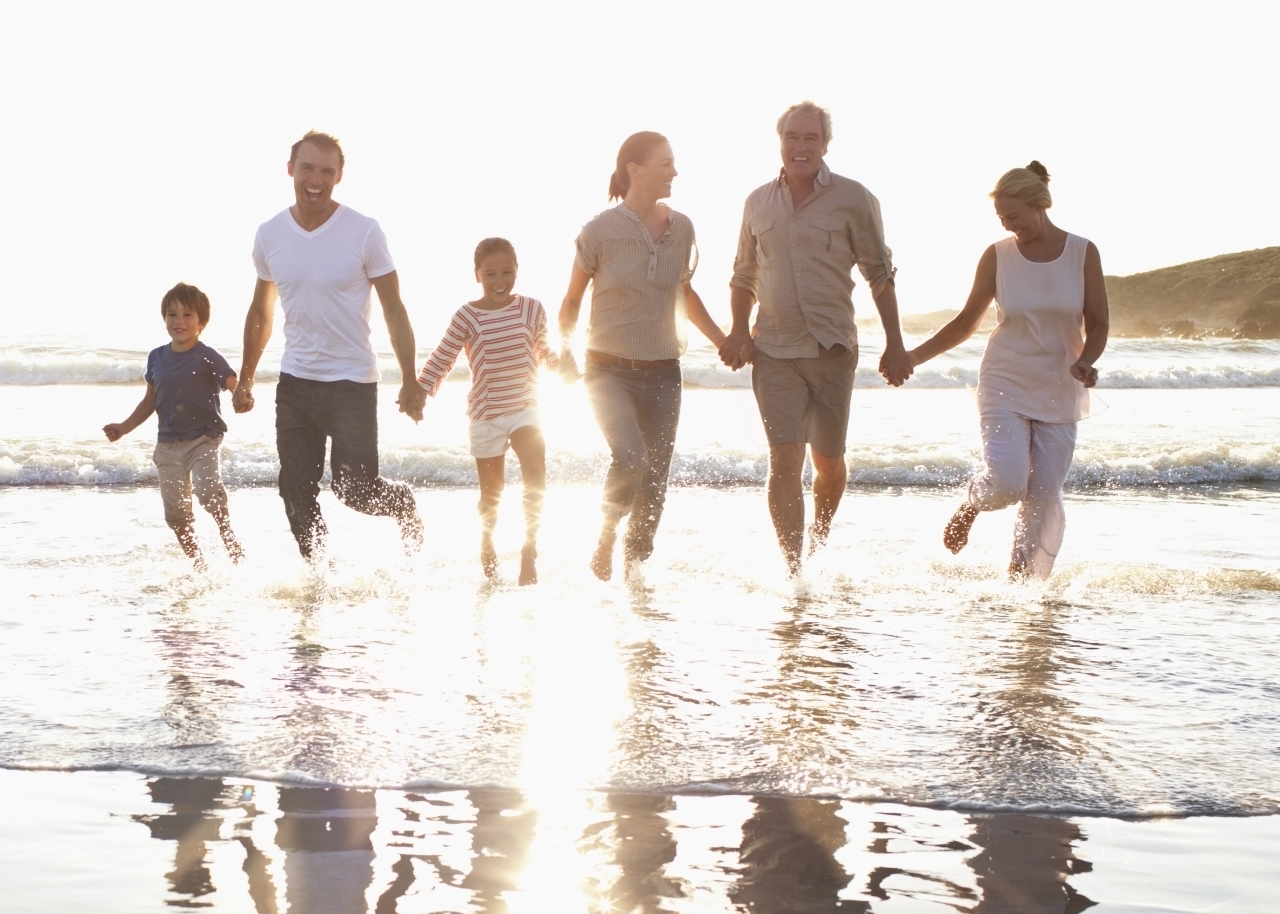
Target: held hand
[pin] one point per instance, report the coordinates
(737, 350)
(896, 366)
(568, 366)
(1085, 373)
(411, 399)
(114, 431)
(242, 397)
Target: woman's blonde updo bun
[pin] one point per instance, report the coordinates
(1030, 185)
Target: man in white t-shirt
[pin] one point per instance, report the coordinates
(323, 260)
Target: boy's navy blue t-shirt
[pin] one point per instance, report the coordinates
(187, 387)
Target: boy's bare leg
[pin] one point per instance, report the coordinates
(492, 473)
(175, 491)
(206, 482)
(190, 545)
(830, 479)
(216, 505)
(531, 450)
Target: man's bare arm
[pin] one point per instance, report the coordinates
(257, 331)
(895, 364)
(412, 397)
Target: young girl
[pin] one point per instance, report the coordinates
(505, 338)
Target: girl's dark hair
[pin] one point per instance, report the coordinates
(635, 148)
(494, 246)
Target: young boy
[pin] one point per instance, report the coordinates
(184, 381)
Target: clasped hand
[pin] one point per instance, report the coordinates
(737, 350)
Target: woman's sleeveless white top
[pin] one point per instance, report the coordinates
(1038, 336)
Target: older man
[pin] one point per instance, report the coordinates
(802, 234)
(323, 260)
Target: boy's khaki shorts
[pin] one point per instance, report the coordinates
(806, 400)
(186, 465)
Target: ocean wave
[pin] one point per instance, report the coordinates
(718, 377)
(50, 463)
(861, 793)
(43, 367)
(37, 368)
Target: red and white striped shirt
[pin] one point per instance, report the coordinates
(503, 347)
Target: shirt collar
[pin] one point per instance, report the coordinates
(823, 177)
(635, 217)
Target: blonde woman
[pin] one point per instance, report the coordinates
(1033, 385)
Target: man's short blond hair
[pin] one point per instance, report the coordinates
(808, 107)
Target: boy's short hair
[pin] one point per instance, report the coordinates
(193, 298)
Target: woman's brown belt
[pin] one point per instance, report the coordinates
(595, 357)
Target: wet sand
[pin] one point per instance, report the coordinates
(123, 842)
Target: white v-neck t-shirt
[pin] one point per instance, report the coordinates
(325, 281)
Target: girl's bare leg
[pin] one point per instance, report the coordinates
(492, 473)
(531, 450)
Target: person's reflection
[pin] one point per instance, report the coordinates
(325, 834)
(640, 845)
(1024, 865)
(191, 826)
(788, 858)
(1029, 744)
(501, 841)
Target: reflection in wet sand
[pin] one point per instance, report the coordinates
(1025, 863)
(325, 835)
(302, 850)
(788, 858)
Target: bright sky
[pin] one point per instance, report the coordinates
(144, 143)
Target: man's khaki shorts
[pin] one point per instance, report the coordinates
(806, 400)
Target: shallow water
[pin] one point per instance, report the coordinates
(1139, 679)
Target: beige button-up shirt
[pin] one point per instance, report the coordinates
(798, 262)
(638, 309)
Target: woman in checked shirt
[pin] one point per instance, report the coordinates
(639, 259)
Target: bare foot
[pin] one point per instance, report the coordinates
(528, 568)
(411, 532)
(234, 549)
(488, 556)
(817, 539)
(1018, 571)
(602, 558)
(955, 536)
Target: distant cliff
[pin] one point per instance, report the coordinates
(1229, 295)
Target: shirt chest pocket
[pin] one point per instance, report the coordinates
(830, 235)
(766, 241)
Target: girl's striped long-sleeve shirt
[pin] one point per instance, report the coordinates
(504, 349)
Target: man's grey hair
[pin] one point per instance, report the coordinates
(808, 107)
